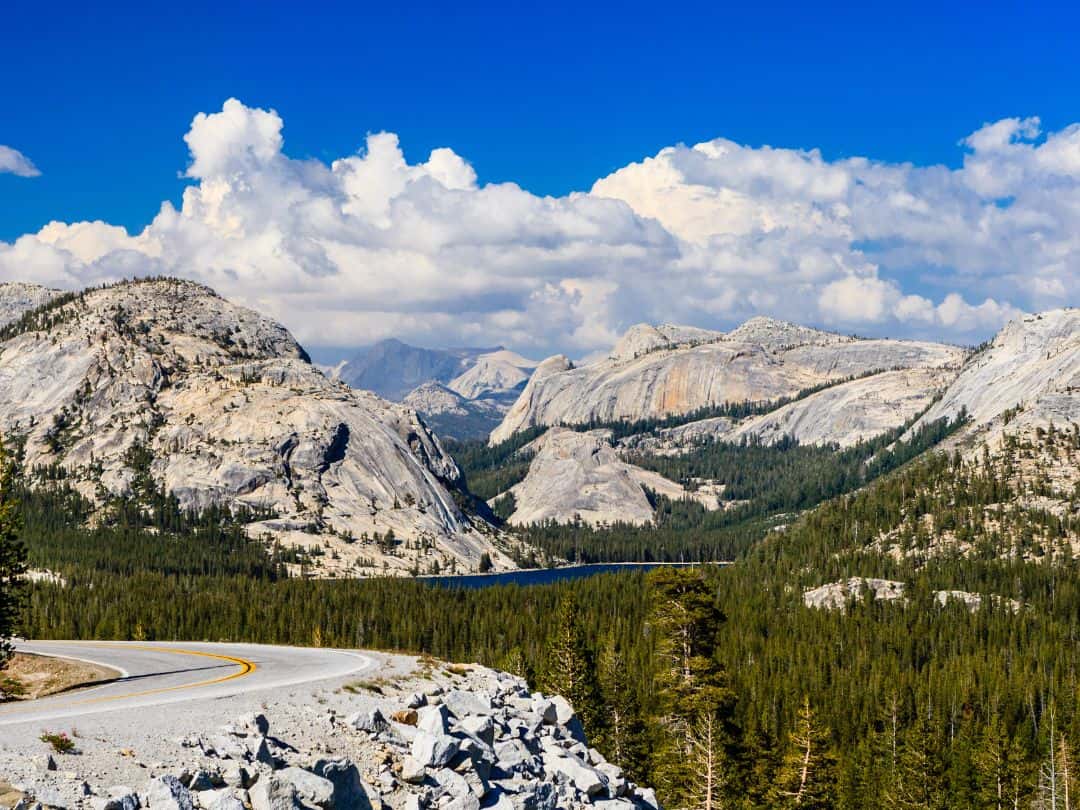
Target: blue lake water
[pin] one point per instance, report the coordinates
(541, 576)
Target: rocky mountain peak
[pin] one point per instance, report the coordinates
(1054, 330)
(643, 338)
(432, 396)
(552, 365)
(762, 330)
(492, 373)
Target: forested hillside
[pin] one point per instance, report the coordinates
(931, 703)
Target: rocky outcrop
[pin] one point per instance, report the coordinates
(838, 595)
(581, 476)
(760, 361)
(457, 742)
(218, 405)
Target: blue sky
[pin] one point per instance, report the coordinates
(554, 98)
(550, 97)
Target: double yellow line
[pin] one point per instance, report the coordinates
(246, 668)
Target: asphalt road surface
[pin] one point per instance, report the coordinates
(152, 674)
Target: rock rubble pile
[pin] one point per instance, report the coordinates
(494, 746)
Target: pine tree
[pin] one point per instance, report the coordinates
(569, 669)
(919, 777)
(1000, 768)
(807, 777)
(515, 662)
(12, 558)
(1068, 774)
(622, 736)
(1053, 789)
(758, 763)
(692, 755)
(1056, 789)
(1067, 777)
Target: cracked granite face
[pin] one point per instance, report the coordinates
(230, 412)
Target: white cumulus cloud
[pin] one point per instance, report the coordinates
(371, 245)
(12, 161)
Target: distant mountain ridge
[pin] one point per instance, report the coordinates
(392, 368)
(487, 380)
(660, 371)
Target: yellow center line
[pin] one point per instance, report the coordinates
(246, 668)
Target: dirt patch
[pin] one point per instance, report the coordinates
(41, 675)
(9, 796)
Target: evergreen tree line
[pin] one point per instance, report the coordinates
(12, 568)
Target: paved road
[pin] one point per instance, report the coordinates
(158, 673)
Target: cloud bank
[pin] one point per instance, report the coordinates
(371, 246)
(12, 161)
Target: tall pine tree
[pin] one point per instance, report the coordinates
(1000, 767)
(569, 669)
(919, 775)
(693, 754)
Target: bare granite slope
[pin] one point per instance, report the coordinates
(221, 406)
(1029, 376)
(580, 475)
(851, 412)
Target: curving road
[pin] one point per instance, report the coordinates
(154, 674)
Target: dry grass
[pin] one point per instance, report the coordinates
(376, 685)
(40, 675)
